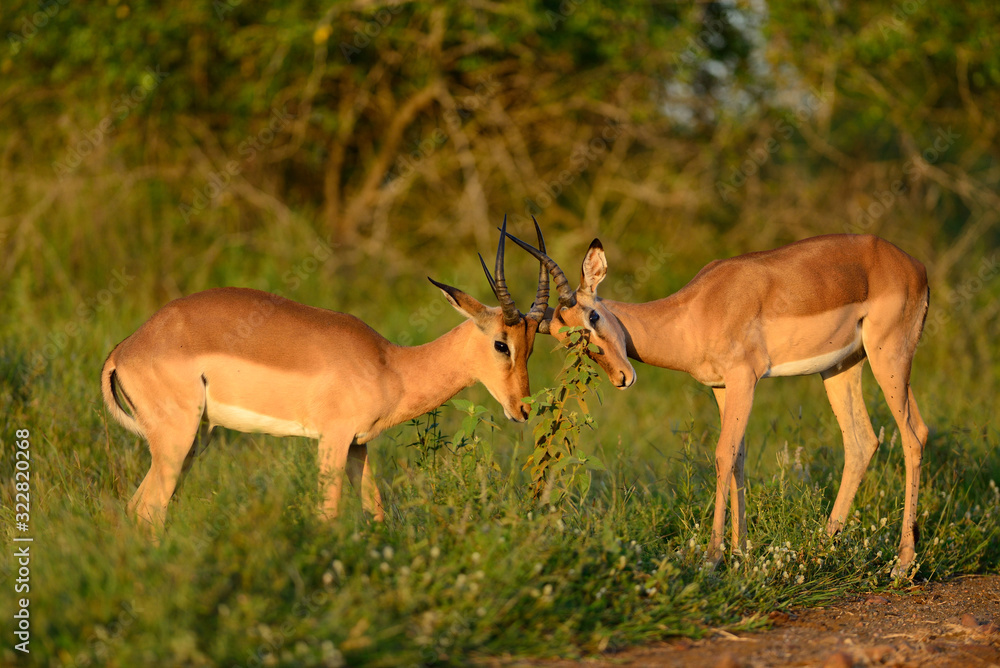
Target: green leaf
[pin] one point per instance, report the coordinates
(463, 405)
(469, 424)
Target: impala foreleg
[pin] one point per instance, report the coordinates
(334, 448)
(360, 474)
(843, 389)
(737, 403)
(737, 495)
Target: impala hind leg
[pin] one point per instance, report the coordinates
(737, 497)
(360, 474)
(843, 388)
(738, 401)
(890, 359)
(171, 451)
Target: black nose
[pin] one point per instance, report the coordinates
(622, 384)
(524, 412)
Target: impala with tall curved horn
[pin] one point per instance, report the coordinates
(256, 362)
(821, 305)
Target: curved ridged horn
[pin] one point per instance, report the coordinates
(493, 286)
(511, 315)
(567, 297)
(537, 311)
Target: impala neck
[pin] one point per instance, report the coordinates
(433, 373)
(658, 332)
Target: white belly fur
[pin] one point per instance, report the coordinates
(241, 419)
(815, 364)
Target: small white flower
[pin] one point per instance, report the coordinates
(384, 567)
(435, 552)
(475, 557)
(387, 552)
(338, 567)
(800, 579)
(327, 578)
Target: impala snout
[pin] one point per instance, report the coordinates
(626, 380)
(521, 414)
(620, 372)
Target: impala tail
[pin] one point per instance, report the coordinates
(114, 394)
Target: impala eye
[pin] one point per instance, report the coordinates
(501, 347)
(594, 317)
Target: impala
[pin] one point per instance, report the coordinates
(256, 362)
(821, 305)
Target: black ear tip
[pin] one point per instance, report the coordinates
(596, 243)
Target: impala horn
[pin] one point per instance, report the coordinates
(537, 312)
(567, 297)
(511, 315)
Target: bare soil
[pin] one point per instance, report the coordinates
(940, 624)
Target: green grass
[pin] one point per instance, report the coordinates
(466, 564)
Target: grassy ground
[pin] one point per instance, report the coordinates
(466, 564)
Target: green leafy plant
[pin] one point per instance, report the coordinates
(430, 439)
(556, 465)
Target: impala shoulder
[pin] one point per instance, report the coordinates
(707, 269)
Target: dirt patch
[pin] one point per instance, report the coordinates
(942, 624)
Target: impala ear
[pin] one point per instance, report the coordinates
(594, 269)
(462, 302)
